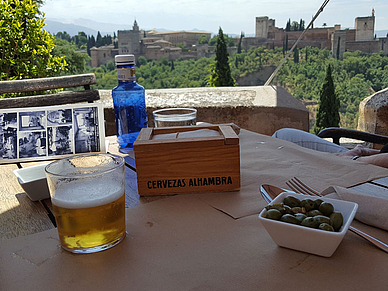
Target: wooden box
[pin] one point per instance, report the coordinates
(189, 164)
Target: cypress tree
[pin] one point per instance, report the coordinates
(92, 41)
(301, 25)
(88, 46)
(338, 48)
(328, 107)
(221, 75)
(296, 55)
(240, 43)
(288, 25)
(286, 48)
(99, 40)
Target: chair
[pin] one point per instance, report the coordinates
(336, 133)
(42, 84)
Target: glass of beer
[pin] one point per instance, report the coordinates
(168, 117)
(87, 193)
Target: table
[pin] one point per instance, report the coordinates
(203, 241)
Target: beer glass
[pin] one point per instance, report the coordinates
(175, 117)
(87, 193)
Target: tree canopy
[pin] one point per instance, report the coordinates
(221, 75)
(356, 76)
(26, 48)
(328, 109)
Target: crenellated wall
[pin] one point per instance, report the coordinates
(262, 109)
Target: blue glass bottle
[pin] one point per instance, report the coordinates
(129, 102)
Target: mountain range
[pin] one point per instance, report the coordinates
(91, 27)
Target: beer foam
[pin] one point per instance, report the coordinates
(81, 194)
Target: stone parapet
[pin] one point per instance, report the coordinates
(373, 113)
(262, 109)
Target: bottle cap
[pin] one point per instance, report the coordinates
(124, 60)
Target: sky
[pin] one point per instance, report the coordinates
(232, 16)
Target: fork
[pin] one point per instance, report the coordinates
(299, 187)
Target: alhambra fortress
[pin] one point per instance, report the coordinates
(262, 109)
(154, 45)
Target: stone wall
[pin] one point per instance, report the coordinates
(262, 109)
(364, 27)
(373, 113)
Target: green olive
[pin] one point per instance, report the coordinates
(273, 214)
(287, 210)
(325, 226)
(326, 208)
(278, 206)
(291, 201)
(322, 219)
(336, 220)
(298, 209)
(307, 203)
(300, 217)
(314, 213)
(317, 203)
(289, 218)
(284, 209)
(310, 222)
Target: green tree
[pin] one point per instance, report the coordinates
(228, 40)
(63, 35)
(286, 46)
(221, 75)
(301, 25)
(307, 54)
(25, 47)
(288, 25)
(240, 42)
(141, 61)
(296, 55)
(328, 107)
(99, 41)
(203, 39)
(295, 26)
(76, 61)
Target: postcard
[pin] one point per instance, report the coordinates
(52, 132)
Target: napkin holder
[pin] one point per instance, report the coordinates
(187, 165)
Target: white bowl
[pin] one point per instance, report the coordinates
(306, 239)
(33, 181)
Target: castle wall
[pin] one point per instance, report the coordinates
(383, 44)
(364, 46)
(338, 44)
(157, 53)
(129, 42)
(187, 38)
(102, 55)
(261, 27)
(364, 27)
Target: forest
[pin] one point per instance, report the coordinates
(356, 76)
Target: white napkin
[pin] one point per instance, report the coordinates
(372, 208)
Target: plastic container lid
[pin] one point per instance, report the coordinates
(124, 60)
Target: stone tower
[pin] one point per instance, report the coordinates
(365, 28)
(262, 27)
(338, 43)
(129, 41)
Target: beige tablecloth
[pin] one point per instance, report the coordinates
(210, 241)
(267, 160)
